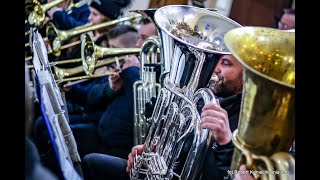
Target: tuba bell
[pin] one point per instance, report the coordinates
(192, 39)
(266, 128)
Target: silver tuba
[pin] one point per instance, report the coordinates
(193, 42)
(146, 88)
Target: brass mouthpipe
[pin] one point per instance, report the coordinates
(57, 37)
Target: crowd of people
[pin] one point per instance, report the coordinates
(101, 110)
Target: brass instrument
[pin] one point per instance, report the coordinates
(90, 52)
(62, 73)
(58, 37)
(164, 38)
(146, 88)
(194, 36)
(266, 128)
(35, 12)
(77, 5)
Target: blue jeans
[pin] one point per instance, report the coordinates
(101, 166)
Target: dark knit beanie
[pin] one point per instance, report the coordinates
(110, 8)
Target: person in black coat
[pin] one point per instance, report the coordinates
(112, 134)
(220, 118)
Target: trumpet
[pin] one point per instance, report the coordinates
(58, 37)
(35, 12)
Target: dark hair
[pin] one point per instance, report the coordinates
(289, 11)
(101, 39)
(146, 21)
(119, 30)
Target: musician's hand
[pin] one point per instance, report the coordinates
(216, 119)
(130, 61)
(243, 176)
(136, 150)
(115, 81)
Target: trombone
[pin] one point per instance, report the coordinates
(35, 12)
(90, 52)
(58, 37)
(77, 5)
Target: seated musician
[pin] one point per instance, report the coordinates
(83, 112)
(117, 119)
(220, 118)
(115, 128)
(121, 36)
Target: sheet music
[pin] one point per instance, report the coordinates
(36, 60)
(65, 162)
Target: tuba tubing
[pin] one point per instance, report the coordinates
(146, 88)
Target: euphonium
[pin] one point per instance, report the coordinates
(35, 12)
(194, 36)
(146, 88)
(58, 37)
(266, 128)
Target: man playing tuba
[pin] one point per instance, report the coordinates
(220, 118)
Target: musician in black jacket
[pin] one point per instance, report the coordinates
(220, 118)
